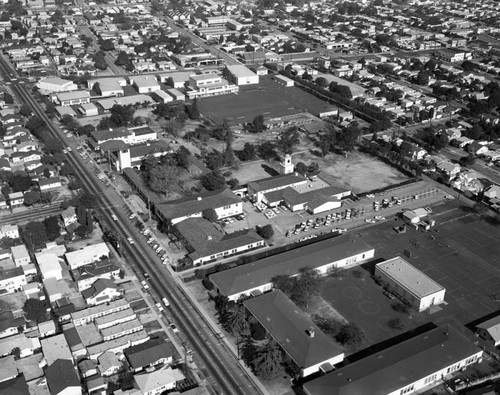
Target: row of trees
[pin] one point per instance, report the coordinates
(37, 233)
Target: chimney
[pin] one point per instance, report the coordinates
(209, 237)
(310, 332)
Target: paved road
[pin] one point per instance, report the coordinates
(226, 374)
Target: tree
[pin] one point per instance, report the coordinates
(328, 325)
(237, 320)
(233, 183)
(16, 352)
(213, 181)
(467, 160)
(350, 334)
(267, 361)
(183, 157)
(266, 231)
(20, 181)
(122, 59)
(258, 125)
(122, 115)
(301, 168)
(52, 227)
(35, 310)
(7, 97)
(321, 82)
(25, 110)
(248, 152)
(31, 198)
(161, 178)
(107, 45)
(210, 215)
(193, 111)
(287, 140)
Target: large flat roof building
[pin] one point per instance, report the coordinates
(322, 256)
(295, 332)
(410, 283)
(409, 366)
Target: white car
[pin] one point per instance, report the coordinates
(370, 221)
(379, 218)
(144, 284)
(115, 218)
(174, 328)
(130, 240)
(159, 307)
(165, 302)
(69, 149)
(131, 216)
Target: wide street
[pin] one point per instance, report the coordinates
(226, 375)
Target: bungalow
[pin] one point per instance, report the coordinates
(46, 184)
(490, 331)
(12, 280)
(148, 355)
(448, 168)
(69, 216)
(146, 83)
(26, 345)
(9, 325)
(62, 378)
(86, 255)
(492, 192)
(477, 148)
(108, 364)
(10, 231)
(101, 291)
(87, 275)
(158, 381)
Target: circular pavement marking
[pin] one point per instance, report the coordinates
(369, 307)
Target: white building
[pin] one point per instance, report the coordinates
(323, 256)
(146, 83)
(205, 85)
(283, 81)
(49, 265)
(86, 255)
(55, 84)
(241, 75)
(158, 381)
(85, 316)
(20, 255)
(404, 279)
(66, 99)
(11, 231)
(12, 280)
(490, 330)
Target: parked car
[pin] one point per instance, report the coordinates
(159, 307)
(144, 284)
(115, 218)
(165, 302)
(174, 328)
(130, 240)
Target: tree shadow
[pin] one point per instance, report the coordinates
(316, 153)
(269, 170)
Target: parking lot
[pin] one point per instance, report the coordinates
(355, 212)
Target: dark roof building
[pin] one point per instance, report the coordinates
(334, 252)
(178, 210)
(15, 386)
(417, 363)
(61, 376)
(295, 332)
(151, 353)
(206, 242)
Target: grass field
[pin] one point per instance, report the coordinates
(268, 99)
(463, 256)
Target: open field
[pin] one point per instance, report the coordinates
(359, 172)
(268, 99)
(461, 253)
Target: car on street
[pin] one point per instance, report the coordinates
(159, 307)
(115, 218)
(130, 240)
(69, 149)
(370, 221)
(165, 302)
(144, 284)
(174, 328)
(132, 216)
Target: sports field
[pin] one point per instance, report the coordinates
(268, 99)
(462, 254)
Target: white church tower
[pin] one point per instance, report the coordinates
(286, 165)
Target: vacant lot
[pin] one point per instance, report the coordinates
(268, 99)
(462, 254)
(359, 172)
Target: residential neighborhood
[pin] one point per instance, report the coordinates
(255, 197)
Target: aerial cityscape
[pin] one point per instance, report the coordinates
(249, 197)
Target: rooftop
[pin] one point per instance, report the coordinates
(258, 273)
(409, 277)
(240, 71)
(55, 347)
(61, 375)
(192, 205)
(99, 309)
(280, 181)
(149, 352)
(290, 327)
(87, 254)
(397, 366)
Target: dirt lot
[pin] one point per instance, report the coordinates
(359, 172)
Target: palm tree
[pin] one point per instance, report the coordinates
(267, 361)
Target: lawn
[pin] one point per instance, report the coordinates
(268, 99)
